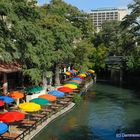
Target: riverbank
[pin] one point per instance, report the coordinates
(53, 117)
(40, 127)
(33, 123)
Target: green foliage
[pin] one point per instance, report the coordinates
(119, 41)
(34, 74)
(83, 55)
(99, 56)
(131, 23)
(77, 99)
(129, 62)
(62, 30)
(69, 26)
(110, 36)
(40, 38)
(132, 20)
(23, 38)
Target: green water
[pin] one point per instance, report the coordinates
(104, 112)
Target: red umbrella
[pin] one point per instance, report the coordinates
(64, 89)
(1, 103)
(80, 77)
(13, 116)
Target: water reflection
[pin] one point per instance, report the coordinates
(104, 112)
(78, 133)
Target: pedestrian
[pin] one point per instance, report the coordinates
(5, 87)
(95, 78)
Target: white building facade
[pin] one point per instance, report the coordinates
(99, 16)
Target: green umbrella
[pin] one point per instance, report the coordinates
(73, 83)
(40, 101)
(33, 89)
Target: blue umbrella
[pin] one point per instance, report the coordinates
(6, 99)
(72, 71)
(3, 128)
(56, 93)
(76, 79)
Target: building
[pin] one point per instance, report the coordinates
(10, 76)
(99, 16)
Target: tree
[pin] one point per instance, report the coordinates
(83, 55)
(98, 57)
(64, 34)
(131, 23)
(110, 36)
(23, 39)
(7, 46)
(118, 41)
(132, 20)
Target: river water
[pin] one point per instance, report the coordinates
(106, 113)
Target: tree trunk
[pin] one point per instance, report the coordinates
(57, 78)
(44, 81)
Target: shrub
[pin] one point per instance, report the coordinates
(77, 98)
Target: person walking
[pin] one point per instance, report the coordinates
(95, 78)
(4, 87)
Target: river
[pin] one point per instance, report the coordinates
(106, 112)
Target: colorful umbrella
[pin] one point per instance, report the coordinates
(40, 101)
(82, 74)
(67, 73)
(81, 77)
(48, 97)
(64, 89)
(29, 107)
(76, 79)
(56, 93)
(13, 116)
(33, 89)
(1, 103)
(91, 71)
(71, 71)
(70, 86)
(3, 128)
(74, 70)
(73, 83)
(6, 99)
(16, 95)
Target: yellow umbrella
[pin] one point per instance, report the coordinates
(29, 107)
(70, 86)
(91, 71)
(67, 73)
(82, 74)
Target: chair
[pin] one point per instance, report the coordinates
(10, 136)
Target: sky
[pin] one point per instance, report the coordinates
(88, 5)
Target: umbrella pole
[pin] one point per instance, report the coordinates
(5, 107)
(9, 130)
(17, 101)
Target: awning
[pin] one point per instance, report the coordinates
(9, 68)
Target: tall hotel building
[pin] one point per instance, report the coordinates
(99, 16)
